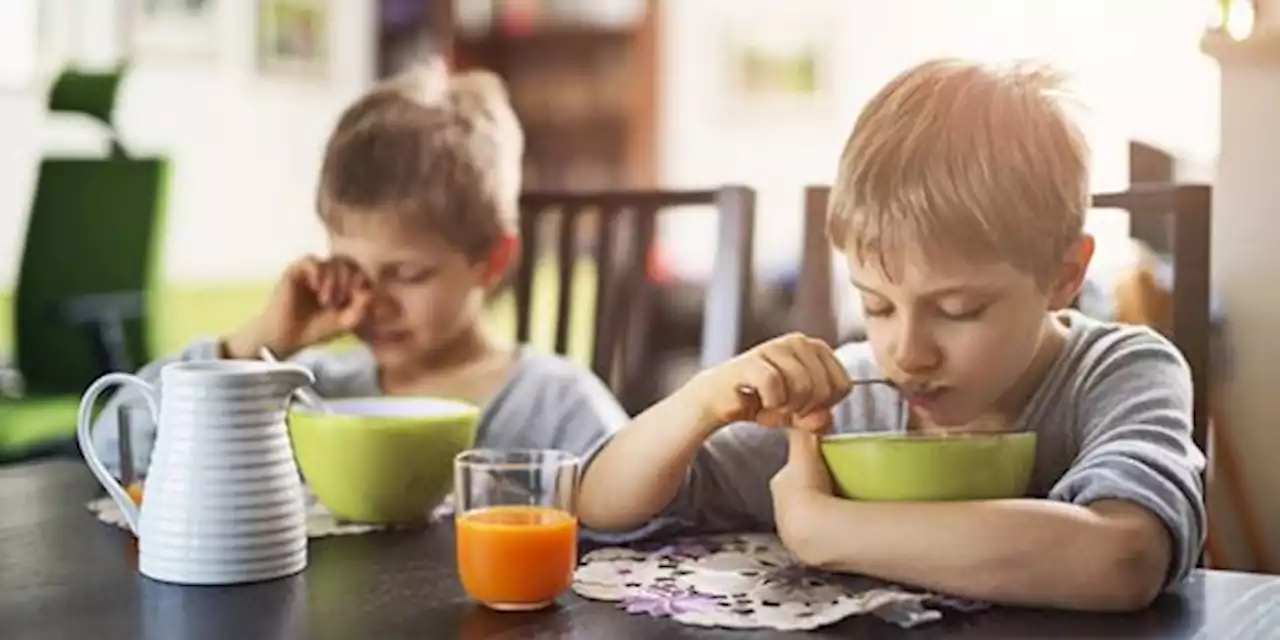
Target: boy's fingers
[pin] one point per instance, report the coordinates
(306, 279)
(838, 377)
(802, 447)
(307, 270)
(334, 277)
(357, 307)
(768, 383)
(818, 421)
(816, 375)
(323, 280)
(342, 280)
(796, 381)
(772, 418)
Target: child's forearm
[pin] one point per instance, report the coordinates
(246, 343)
(1109, 556)
(642, 469)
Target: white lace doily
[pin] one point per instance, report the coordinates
(747, 581)
(320, 522)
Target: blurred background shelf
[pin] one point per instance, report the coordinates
(582, 78)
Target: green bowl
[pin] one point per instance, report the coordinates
(382, 460)
(918, 467)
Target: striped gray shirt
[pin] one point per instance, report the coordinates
(1112, 417)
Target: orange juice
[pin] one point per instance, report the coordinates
(517, 557)
(135, 492)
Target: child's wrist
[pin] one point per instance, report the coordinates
(236, 346)
(699, 397)
(248, 342)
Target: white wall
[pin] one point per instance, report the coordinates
(1135, 64)
(245, 148)
(1245, 227)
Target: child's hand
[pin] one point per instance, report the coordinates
(796, 380)
(314, 301)
(794, 488)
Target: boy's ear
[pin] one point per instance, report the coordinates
(504, 254)
(1071, 273)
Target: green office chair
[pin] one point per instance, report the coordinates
(90, 258)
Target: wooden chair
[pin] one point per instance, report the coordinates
(622, 225)
(1183, 314)
(815, 313)
(1188, 205)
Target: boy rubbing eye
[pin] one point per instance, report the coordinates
(418, 195)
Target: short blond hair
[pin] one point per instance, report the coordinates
(440, 151)
(983, 163)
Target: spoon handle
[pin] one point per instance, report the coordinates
(308, 396)
(751, 395)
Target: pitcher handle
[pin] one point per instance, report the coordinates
(84, 433)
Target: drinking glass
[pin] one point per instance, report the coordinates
(136, 439)
(516, 525)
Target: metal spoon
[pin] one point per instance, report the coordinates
(308, 396)
(752, 396)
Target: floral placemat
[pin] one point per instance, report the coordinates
(320, 522)
(746, 581)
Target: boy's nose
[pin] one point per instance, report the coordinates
(384, 304)
(916, 353)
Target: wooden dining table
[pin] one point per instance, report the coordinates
(63, 574)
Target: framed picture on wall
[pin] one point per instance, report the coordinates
(779, 67)
(293, 38)
(174, 29)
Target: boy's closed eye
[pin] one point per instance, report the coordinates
(958, 311)
(411, 274)
(963, 311)
(959, 303)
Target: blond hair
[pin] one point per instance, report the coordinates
(978, 162)
(442, 152)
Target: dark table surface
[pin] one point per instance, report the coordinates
(65, 575)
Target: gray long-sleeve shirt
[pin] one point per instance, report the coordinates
(1112, 417)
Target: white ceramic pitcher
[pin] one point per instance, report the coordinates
(223, 499)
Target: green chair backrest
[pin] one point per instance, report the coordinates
(92, 93)
(95, 228)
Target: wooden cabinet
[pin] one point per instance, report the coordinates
(581, 75)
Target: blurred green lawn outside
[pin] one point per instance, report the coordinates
(187, 312)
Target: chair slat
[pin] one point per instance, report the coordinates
(566, 259)
(638, 376)
(815, 313)
(729, 294)
(524, 272)
(623, 240)
(1191, 329)
(606, 297)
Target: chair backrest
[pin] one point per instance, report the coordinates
(815, 314)
(91, 240)
(1189, 206)
(91, 93)
(90, 251)
(617, 228)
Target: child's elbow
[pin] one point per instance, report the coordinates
(599, 514)
(592, 518)
(1134, 574)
